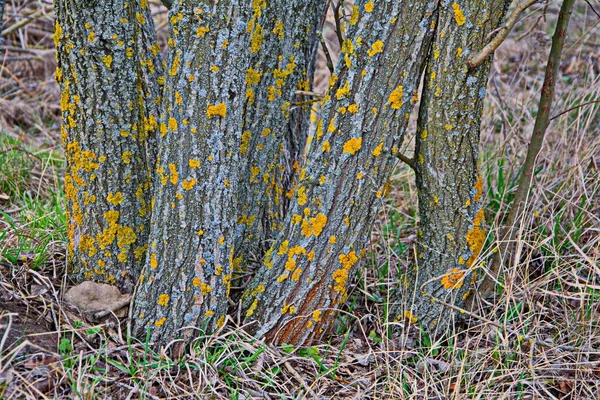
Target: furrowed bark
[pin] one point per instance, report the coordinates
(276, 120)
(187, 276)
(450, 190)
(293, 298)
(108, 68)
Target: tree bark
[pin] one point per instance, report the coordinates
(108, 68)
(294, 296)
(276, 120)
(450, 189)
(188, 271)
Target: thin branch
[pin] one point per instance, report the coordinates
(408, 161)
(503, 32)
(587, 103)
(537, 139)
(327, 55)
(593, 9)
(167, 3)
(338, 23)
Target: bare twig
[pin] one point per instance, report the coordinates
(327, 55)
(338, 22)
(587, 103)
(408, 161)
(503, 32)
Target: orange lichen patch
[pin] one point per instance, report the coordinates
(116, 198)
(209, 313)
(376, 48)
(153, 261)
(354, 15)
(459, 16)
(86, 245)
(377, 150)
(314, 226)
(316, 315)
(395, 99)
(108, 234)
(174, 175)
(202, 31)
(288, 308)
(160, 322)
(107, 60)
(340, 276)
(352, 146)
(302, 198)
(193, 163)
(221, 321)
(476, 237)
(163, 300)
(253, 76)
(252, 308)
(217, 110)
(283, 248)
(126, 157)
(205, 289)
(353, 108)
(369, 6)
(453, 279)
(245, 142)
(296, 274)
(343, 91)
(189, 183)
(478, 189)
(410, 317)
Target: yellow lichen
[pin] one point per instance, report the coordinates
(314, 226)
(202, 31)
(205, 289)
(316, 315)
(377, 150)
(476, 237)
(376, 48)
(459, 16)
(453, 279)
(217, 110)
(352, 145)
(245, 142)
(369, 6)
(160, 322)
(163, 300)
(395, 99)
(116, 198)
(189, 183)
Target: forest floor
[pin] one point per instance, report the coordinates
(538, 338)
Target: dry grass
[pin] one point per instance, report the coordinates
(539, 338)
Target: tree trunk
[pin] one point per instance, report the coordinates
(293, 298)
(108, 69)
(188, 271)
(276, 120)
(452, 231)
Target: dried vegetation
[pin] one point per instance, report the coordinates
(539, 337)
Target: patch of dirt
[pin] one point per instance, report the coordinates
(20, 325)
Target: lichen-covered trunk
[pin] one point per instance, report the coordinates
(108, 69)
(293, 298)
(452, 231)
(276, 119)
(188, 271)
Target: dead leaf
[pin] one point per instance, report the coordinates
(90, 296)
